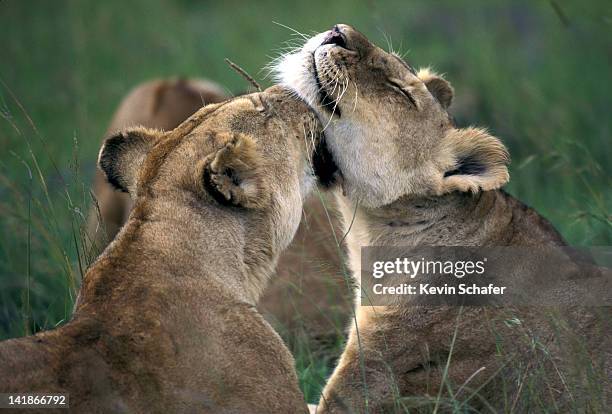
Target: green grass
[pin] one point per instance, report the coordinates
(537, 74)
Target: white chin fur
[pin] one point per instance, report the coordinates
(295, 71)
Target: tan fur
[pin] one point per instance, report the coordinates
(166, 320)
(239, 155)
(310, 297)
(485, 149)
(410, 178)
(162, 104)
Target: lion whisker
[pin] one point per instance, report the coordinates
(292, 29)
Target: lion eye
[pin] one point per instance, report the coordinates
(398, 88)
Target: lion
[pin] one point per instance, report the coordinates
(308, 299)
(166, 318)
(409, 177)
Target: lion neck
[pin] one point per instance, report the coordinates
(454, 219)
(199, 245)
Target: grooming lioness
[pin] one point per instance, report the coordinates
(166, 321)
(308, 294)
(409, 177)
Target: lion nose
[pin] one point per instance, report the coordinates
(335, 37)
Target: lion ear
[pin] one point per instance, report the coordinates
(122, 155)
(439, 87)
(475, 161)
(233, 175)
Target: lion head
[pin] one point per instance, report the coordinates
(386, 124)
(252, 153)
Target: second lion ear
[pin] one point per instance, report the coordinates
(233, 174)
(439, 87)
(474, 161)
(122, 155)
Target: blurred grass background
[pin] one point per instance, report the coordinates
(537, 73)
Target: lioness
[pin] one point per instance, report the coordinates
(309, 298)
(409, 177)
(166, 320)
